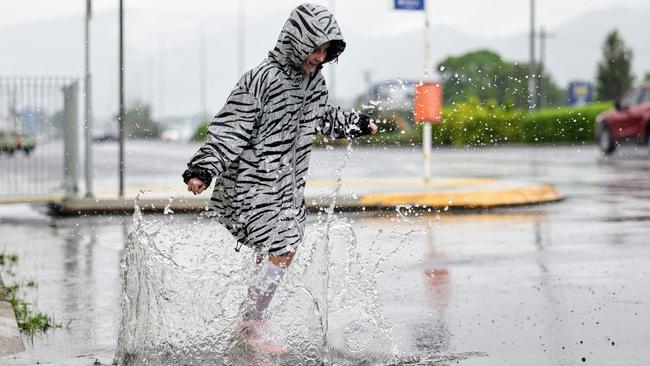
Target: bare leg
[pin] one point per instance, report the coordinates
(261, 292)
(282, 261)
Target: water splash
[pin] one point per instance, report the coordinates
(185, 290)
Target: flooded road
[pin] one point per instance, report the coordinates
(564, 283)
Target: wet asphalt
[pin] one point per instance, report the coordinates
(558, 284)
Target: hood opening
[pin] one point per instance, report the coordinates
(335, 49)
(308, 26)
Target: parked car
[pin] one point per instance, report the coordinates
(7, 142)
(105, 138)
(12, 141)
(629, 120)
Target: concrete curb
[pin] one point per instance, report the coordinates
(354, 194)
(10, 340)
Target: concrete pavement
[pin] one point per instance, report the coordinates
(354, 194)
(10, 340)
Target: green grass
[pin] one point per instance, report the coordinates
(30, 320)
(8, 259)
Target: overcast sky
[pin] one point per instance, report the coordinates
(162, 41)
(489, 18)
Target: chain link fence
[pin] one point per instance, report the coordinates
(38, 129)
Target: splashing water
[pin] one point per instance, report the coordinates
(185, 290)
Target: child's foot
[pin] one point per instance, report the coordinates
(253, 332)
(253, 360)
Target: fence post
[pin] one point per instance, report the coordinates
(71, 140)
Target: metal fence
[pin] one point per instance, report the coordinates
(38, 130)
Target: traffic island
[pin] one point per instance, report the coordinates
(352, 194)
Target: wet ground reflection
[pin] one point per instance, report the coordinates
(548, 285)
(517, 286)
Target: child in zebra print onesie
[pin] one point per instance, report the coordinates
(258, 149)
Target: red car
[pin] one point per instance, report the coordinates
(628, 121)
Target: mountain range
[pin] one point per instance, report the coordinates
(164, 70)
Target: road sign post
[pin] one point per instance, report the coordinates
(427, 109)
(424, 94)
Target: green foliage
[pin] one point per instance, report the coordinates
(138, 122)
(561, 125)
(614, 75)
(646, 77)
(474, 123)
(201, 132)
(477, 124)
(484, 75)
(8, 259)
(550, 94)
(28, 319)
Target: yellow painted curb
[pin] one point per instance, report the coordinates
(514, 196)
(402, 182)
(23, 200)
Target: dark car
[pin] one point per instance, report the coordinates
(629, 120)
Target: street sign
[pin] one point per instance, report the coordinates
(580, 93)
(409, 4)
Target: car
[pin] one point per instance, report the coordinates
(7, 142)
(629, 120)
(12, 141)
(25, 142)
(107, 137)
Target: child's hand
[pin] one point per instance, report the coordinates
(196, 186)
(373, 128)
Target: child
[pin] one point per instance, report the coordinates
(258, 149)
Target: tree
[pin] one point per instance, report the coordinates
(138, 122)
(647, 76)
(614, 76)
(550, 94)
(484, 74)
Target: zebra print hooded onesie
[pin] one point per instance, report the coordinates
(258, 145)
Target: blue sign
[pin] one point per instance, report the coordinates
(409, 4)
(580, 93)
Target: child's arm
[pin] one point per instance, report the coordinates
(228, 134)
(342, 124)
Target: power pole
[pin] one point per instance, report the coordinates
(531, 72)
(161, 77)
(242, 39)
(332, 66)
(88, 113)
(543, 36)
(120, 117)
(202, 74)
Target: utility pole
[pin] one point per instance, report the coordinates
(531, 73)
(242, 39)
(332, 66)
(543, 36)
(120, 117)
(88, 114)
(426, 128)
(161, 77)
(202, 74)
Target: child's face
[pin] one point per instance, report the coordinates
(315, 58)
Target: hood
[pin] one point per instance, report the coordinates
(308, 27)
